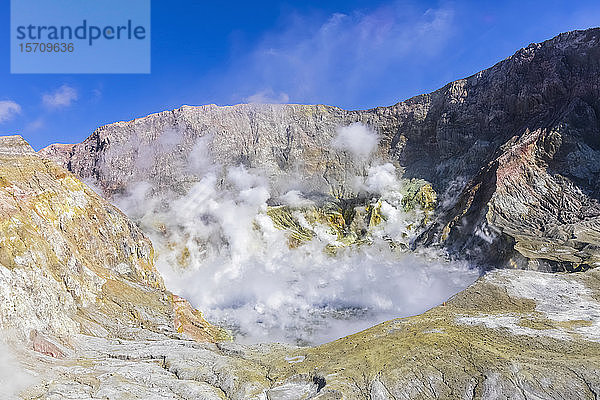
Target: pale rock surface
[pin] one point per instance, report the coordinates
(466, 348)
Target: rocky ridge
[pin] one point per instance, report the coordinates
(513, 150)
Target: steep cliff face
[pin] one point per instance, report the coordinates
(519, 143)
(536, 188)
(70, 262)
(159, 148)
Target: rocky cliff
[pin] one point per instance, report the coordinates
(513, 153)
(71, 263)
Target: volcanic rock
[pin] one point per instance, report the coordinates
(513, 153)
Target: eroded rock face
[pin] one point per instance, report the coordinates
(518, 142)
(70, 262)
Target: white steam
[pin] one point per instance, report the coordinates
(380, 179)
(357, 139)
(218, 247)
(14, 378)
(294, 198)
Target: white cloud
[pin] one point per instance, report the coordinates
(381, 179)
(240, 271)
(295, 198)
(343, 56)
(268, 96)
(14, 378)
(96, 95)
(35, 125)
(8, 110)
(64, 96)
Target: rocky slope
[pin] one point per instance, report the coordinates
(71, 263)
(96, 322)
(513, 153)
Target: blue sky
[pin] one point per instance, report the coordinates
(353, 54)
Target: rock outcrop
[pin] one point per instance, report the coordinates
(513, 151)
(71, 263)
